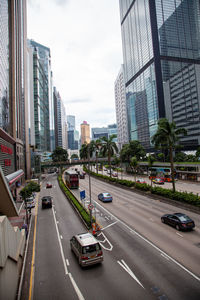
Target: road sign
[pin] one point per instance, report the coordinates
(90, 207)
(82, 195)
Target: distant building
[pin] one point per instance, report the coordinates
(85, 133)
(99, 132)
(121, 108)
(60, 121)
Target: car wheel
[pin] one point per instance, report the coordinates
(178, 227)
(162, 220)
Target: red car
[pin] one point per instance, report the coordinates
(158, 181)
(48, 185)
(140, 180)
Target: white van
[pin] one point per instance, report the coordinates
(87, 249)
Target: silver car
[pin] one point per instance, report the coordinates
(87, 249)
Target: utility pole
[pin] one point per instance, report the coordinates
(89, 186)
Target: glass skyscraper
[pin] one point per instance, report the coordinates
(161, 47)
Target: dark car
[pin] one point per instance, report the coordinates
(179, 221)
(48, 185)
(158, 181)
(46, 201)
(105, 197)
(81, 175)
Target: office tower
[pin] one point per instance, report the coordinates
(13, 90)
(161, 45)
(112, 129)
(85, 133)
(39, 99)
(60, 121)
(97, 133)
(71, 122)
(121, 108)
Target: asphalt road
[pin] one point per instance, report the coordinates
(134, 266)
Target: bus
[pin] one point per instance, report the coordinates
(161, 172)
(71, 179)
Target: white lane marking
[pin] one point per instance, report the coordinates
(80, 296)
(105, 240)
(164, 256)
(106, 218)
(150, 243)
(179, 234)
(57, 222)
(151, 220)
(67, 261)
(61, 237)
(109, 225)
(128, 270)
(60, 244)
(78, 292)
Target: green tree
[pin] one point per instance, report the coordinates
(134, 165)
(84, 151)
(167, 136)
(27, 191)
(95, 146)
(134, 148)
(109, 148)
(180, 157)
(74, 156)
(59, 155)
(198, 153)
(151, 159)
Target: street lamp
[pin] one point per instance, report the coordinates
(90, 186)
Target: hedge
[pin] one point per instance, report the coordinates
(185, 197)
(83, 212)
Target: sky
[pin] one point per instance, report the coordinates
(84, 37)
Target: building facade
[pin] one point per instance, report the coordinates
(161, 45)
(85, 133)
(121, 108)
(97, 133)
(39, 99)
(60, 121)
(13, 92)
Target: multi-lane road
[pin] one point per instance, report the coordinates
(143, 258)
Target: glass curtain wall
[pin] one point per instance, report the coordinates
(4, 66)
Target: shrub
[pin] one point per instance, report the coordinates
(83, 212)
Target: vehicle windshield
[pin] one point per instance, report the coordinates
(91, 248)
(107, 195)
(184, 218)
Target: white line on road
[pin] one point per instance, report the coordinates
(78, 292)
(109, 225)
(61, 237)
(60, 244)
(105, 240)
(164, 256)
(128, 270)
(150, 243)
(80, 296)
(67, 261)
(179, 234)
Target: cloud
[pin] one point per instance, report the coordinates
(85, 42)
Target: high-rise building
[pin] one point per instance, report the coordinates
(121, 108)
(60, 121)
(97, 133)
(71, 122)
(85, 133)
(13, 91)
(39, 98)
(161, 46)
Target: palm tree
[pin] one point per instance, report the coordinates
(109, 148)
(84, 151)
(95, 147)
(134, 164)
(151, 160)
(167, 135)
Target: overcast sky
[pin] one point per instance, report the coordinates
(84, 37)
